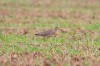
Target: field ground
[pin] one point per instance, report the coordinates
(20, 20)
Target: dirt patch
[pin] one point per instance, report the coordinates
(21, 31)
(59, 14)
(29, 59)
(4, 12)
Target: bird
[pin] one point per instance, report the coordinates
(48, 33)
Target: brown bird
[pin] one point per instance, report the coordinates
(48, 33)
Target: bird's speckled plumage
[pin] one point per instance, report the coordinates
(47, 33)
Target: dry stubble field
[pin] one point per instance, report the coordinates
(78, 45)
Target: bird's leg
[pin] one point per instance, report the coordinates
(45, 38)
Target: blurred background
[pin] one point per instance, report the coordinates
(77, 45)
